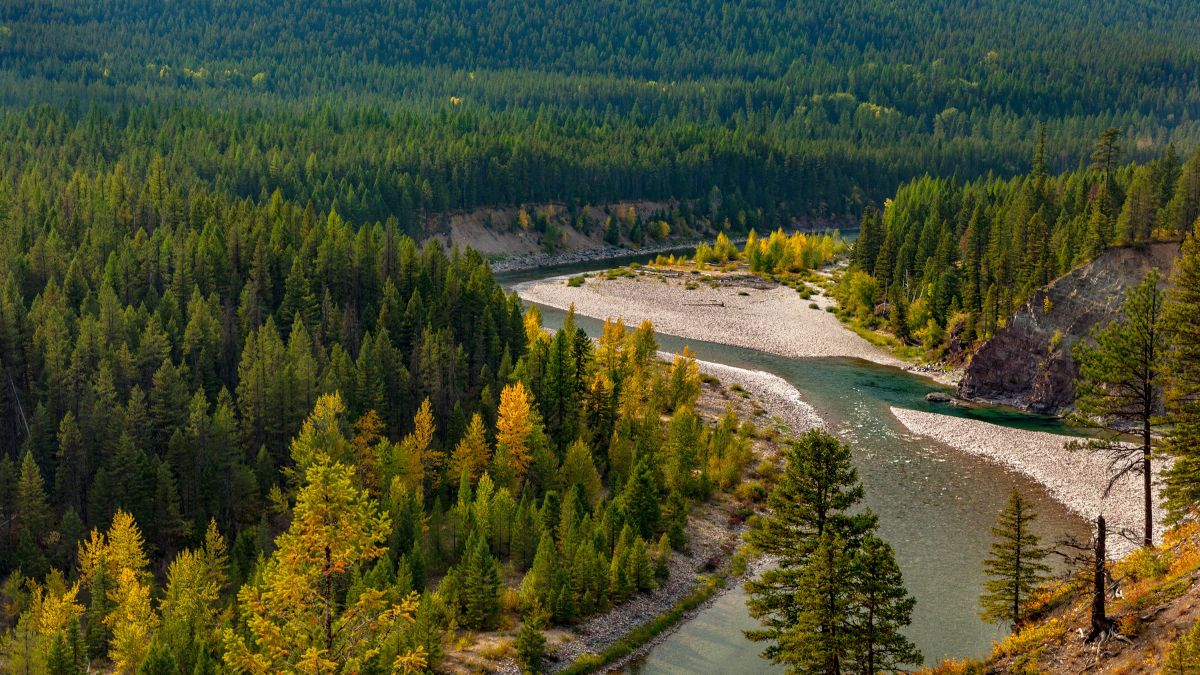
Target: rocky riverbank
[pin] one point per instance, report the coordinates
(1076, 478)
(730, 309)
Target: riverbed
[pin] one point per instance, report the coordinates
(936, 505)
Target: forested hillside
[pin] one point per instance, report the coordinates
(762, 111)
(947, 262)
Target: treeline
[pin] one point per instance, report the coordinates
(207, 397)
(946, 262)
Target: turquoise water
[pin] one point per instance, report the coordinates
(936, 506)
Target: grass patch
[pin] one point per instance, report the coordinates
(639, 636)
(575, 282)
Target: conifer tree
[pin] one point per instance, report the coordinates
(481, 586)
(641, 498)
(514, 426)
(1120, 387)
(1015, 567)
(1182, 489)
(881, 608)
(531, 643)
(472, 452)
(804, 603)
(290, 617)
(820, 640)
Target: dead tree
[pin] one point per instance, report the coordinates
(1102, 626)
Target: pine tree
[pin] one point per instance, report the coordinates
(820, 640)
(531, 643)
(642, 500)
(1182, 491)
(481, 581)
(809, 508)
(472, 452)
(33, 518)
(514, 426)
(1120, 386)
(289, 613)
(881, 608)
(1015, 567)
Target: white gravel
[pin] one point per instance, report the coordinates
(776, 395)
(775, 320)
(1076, 478)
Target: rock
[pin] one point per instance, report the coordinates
(1027, 363)
(938, 397)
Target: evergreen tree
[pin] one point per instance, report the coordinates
(1120, 387)
(809, 509)
(1182, 491)
(820, 640)
(881, 608)
(641, 496)
(531, 643)
(1015, 566)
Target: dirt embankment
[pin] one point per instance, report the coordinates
(493, 231)
(1027, 363)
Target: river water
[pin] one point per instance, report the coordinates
(936, 506)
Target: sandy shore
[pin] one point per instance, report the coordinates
(774, 320)
(1076, 478)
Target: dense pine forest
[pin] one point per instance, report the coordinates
(761, 113)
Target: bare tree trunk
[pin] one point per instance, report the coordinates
(1147, 484)
(1101, 625)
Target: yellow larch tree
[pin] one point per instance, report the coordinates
(290, 618)
(472, 452)
(513, 425)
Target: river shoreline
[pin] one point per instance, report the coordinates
(734, 309)
(1075, 478)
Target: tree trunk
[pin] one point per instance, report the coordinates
(1101, 625)
(1147, 485)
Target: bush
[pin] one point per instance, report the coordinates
(575, 282)
(813, 305)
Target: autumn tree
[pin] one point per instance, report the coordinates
(292, 618)
(513, 428)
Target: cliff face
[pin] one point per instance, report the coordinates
(1028, 363)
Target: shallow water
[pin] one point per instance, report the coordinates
(935, 505)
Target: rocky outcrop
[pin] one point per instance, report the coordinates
(1028, 363)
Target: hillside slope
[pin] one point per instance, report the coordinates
(1027, 363)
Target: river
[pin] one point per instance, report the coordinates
(936, 506)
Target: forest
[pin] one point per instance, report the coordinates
(755, 113)
(946, 262)
(204, 396)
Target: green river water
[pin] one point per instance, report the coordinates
(936, 506)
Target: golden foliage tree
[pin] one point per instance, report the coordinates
(472, 452)
(513, 426)
(292, 618)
